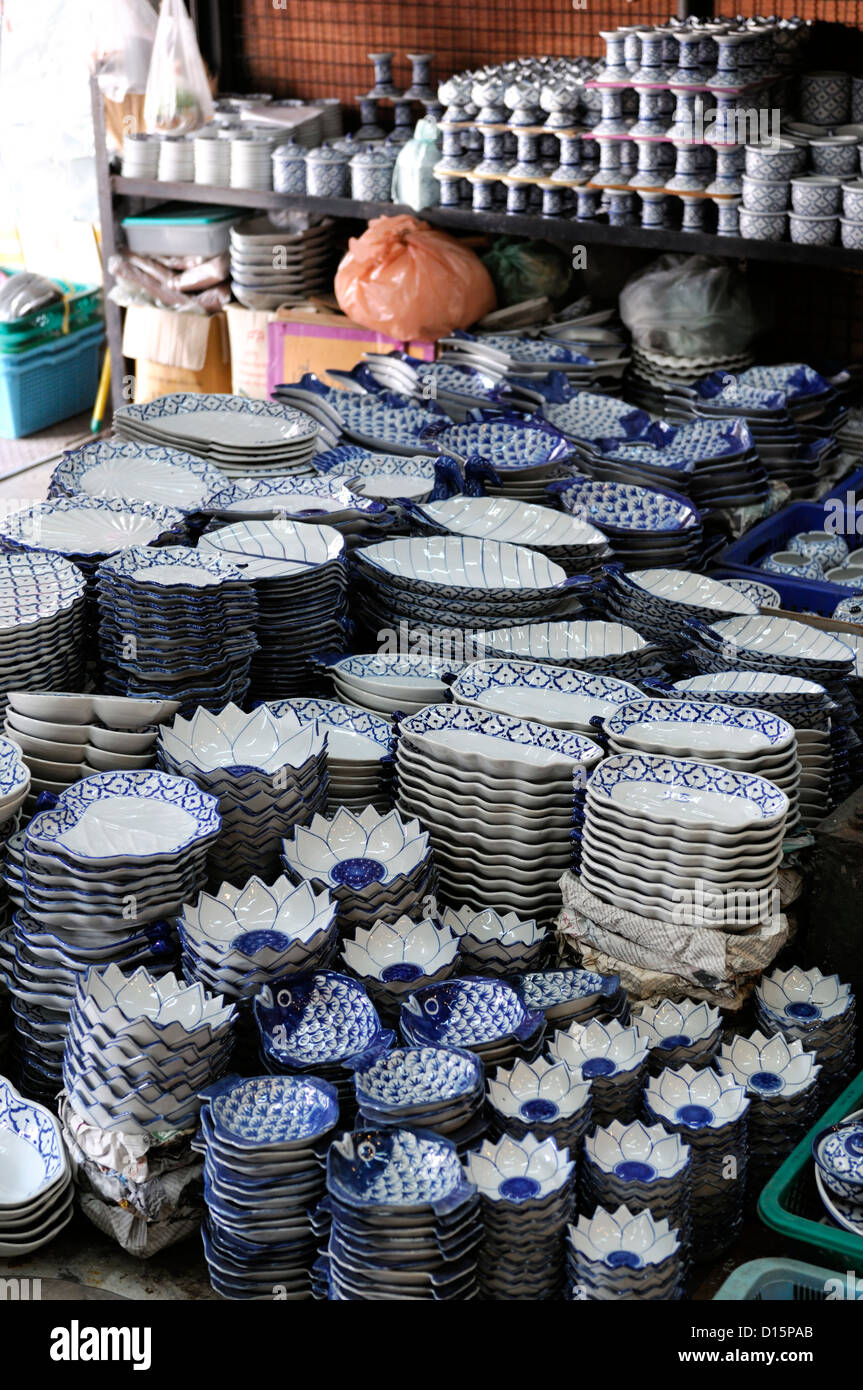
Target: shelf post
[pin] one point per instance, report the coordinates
(113, 312)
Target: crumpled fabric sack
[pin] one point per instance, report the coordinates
(688, 306)
(409, 280)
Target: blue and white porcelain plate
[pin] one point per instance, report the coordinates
(461, 565)
(331, 717)
(666, 725)
(134, 472)
(467, 1012)
(527, 349)
(542, 989)
(762, 595)
(463, 730)
(93, 526)
(784, 639)
(291, 497)
(692, 793)
(272, 1110)
(387, 418)
(320, 1018)
(395, 1168)
(657, 588)
(352, 461)
(393, 667)
(171, 566)
(549, 694)
(794, 379)
(508, 444)
(588, 418)
(626, 507)
(512, 520)
(229, 421)
(411, 1077)
(294, 546)
(32, 1154)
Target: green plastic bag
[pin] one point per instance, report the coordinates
(527, 270)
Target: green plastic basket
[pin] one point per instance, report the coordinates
(778, 1281)
(81, 307)
(790, 1202)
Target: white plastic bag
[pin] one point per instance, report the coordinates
(689, 306)
(178, 96)
(125, 31)
(414, 182)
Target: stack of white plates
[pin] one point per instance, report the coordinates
(359, 744)
(659, 601)
(389, 684)
(562, 539)
(388, 477)
(35, 1181)
(553, 695)
(300, 576)
(662, 832)
(213, 158)
(42, 601)
(743, 740)
(496, 795)
(359, 519)
(176, 159)
(270, 265)
(252, 160)
(140, 156)
(239, 436)
(604, 648)
(66, 737)
(268, 772)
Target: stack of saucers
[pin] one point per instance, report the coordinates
(375, 866)
(390, 422)
(781, 645)
(553, 695)
(387, 683)
(496, 794)
(678, 1032)
(817, 1010)
(42, 600)
(263, 1142)
(359, 747)
(642, 525)
(527, 1192)
(566, 996)
(391, 478)
(139, 1050)
(359, 519)
(623, 1255)
(239, 435)
(268, 772)
(485, 1016)
(35, 1181)
(431, 1088)
(604, 648)
(272, 265)
(300, 577)
(176, 623)
(642, 1166)
(710, 1112)
(134, 472)
(576, 545)
(660, 832)
(405, 1220)
(393, 959)
(493, 943)
(320, 1023)
(540, 1098)
(612, 1058)
(659, 601)
(781, 1080)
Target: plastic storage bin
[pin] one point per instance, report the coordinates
(777, 1281)
(49, 383)
(81, 308)
(790, 1202)
(181, 231)
(741, 559)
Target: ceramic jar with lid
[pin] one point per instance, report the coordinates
(327, 172)
(289, 168)
(372, 174)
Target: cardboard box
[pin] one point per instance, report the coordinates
(311, 340)
(176, 352)
(247, 330)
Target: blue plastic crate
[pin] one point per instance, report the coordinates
(742, 558)
(781, 1281)
(50, 383)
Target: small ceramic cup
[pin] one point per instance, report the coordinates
(812, 231)
(818, 545)
(835, 154)
(816, 195)
(852, 234)
(764, 195)
(852, 199)
(789, 562)
(825, 97)
(769, 159)
(762, 226)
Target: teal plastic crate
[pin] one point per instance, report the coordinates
(780, 1281)
(50, 383)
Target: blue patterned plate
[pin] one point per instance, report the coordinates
(686, 792)
(508, 444)
(418, 1078)
(271, 1111)
(317, 1019)
(469, 1012)
(229, 422)
(625, 507)
(32, 1148)
(133, 472)
(396, 1168)
(551, 694)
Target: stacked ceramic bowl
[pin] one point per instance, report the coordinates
(388, 683)
(679, 1032)
(544, 1099)
(300, 577)
(238, 939)
(613, 1058)
(553, 695)
(567, 996)
(242, 437)
(527, 1194)
(564, 540)
(780, 645)
(405, 1220)
(492, 943)
(658, 601)
(670, 834)
(35, 1181)
(140, 156)
(267, 771)
(113, 841)
(817, 1010)
(393, 959)
(781, 1080)
(42, 600)
(390, 478)
(139, 1050)
(261, 1140)
(839, 1172)
(518, 458)
(746, 740)
(485, 1016)
(623, 1255)
(320, 1023)
(644, 1167)
(176, 623)
(375, 866)
(611, 649)
(359, 751)
(496, 794)
(66, 737)
(429, 1088)
(710, 1112)
(642, 525)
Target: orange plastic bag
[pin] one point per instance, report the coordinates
(405, 278)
